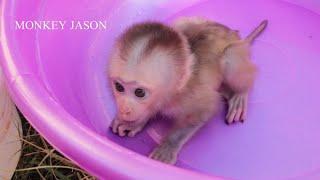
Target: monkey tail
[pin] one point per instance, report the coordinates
(256, 32)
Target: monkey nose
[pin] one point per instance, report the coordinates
(125, 112)
(126, 116)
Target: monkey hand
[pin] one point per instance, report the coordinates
(237, 109)
(123, 128)
(165, 152)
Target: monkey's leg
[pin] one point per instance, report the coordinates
(168, 150)
(239, 73)
(238, 70)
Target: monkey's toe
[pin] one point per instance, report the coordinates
(237, 108)
(135, 131)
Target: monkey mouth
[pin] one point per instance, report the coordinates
(133, 118)
(129, 120)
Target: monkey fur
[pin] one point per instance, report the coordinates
(183, 72)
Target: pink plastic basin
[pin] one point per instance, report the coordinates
(57, 79)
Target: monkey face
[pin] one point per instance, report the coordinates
(146, 68)
(134, 101)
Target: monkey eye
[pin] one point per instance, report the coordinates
(119, 87)
(140, 92)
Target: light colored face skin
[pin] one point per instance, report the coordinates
(132, 99)
(138, 87)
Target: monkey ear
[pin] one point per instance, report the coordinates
(186, 72)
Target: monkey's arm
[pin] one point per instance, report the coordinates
(169, 148)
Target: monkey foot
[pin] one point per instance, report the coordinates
(123, 128)
(165, 153)
(237, 109)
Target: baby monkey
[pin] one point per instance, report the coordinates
(183, 72)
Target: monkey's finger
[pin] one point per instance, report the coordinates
(132, 133)
(115, 125)
(122, 130)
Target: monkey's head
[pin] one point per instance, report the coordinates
(149, 64)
